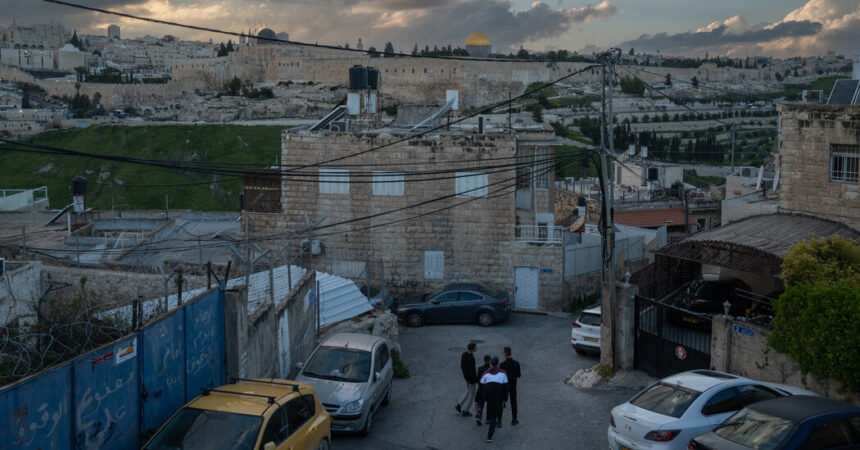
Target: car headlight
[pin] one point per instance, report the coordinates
(352, 407)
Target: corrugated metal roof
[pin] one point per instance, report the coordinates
(651, 218)
(340, 298)
(844, 92)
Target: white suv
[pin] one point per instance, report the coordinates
(585, 334)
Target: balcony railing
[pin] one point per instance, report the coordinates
(539, 234)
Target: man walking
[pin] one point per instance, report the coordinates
(494, 385)
(467, 366)
(479, 397)
(512, 369)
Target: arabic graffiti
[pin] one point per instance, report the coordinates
(99, 411)
(45, 423)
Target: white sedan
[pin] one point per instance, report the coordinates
(585, 333)
(670, 412)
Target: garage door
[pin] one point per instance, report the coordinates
(526, 279)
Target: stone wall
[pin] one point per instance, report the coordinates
(112, 288)
(21, 288)
(737, 352)
(806, 134)
(476, 239)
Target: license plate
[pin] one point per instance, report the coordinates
(691, 320)
(590, 339)
(623, 447)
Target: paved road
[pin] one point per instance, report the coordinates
(552, 415)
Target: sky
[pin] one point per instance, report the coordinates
(738, 28)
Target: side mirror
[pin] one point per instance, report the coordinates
(435, 302)
(300, 366)
(269, 446)
(377, 376)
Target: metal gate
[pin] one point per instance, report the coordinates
(670, 340)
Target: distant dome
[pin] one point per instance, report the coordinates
(477, 39)
(266, 34)
(69, 48)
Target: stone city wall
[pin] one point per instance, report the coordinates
(806, 137)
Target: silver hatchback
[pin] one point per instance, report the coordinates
(351, 374)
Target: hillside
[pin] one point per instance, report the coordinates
(129, 186)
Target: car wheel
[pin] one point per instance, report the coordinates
(387, 399)
(485, 319)
(580, 351)
(323, 445)
(367, 423)
(414, 320)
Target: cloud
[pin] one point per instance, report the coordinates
(815, 27)
(403, 22)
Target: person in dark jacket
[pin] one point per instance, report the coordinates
(479, 402)
(512, 369)
(494, 386)
(467, 366)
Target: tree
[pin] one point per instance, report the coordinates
(389, 50)
(523, 53)
(372, 51)
(632, 86)
(668, 81)
(230, 47)
(25, 99)
(415, 50)
(537, 114)
(695, 82)
(822, 261)
(233, 87)
(76, 41)
(346, 46)
(631, 51)
(169, 38)
(222, 50)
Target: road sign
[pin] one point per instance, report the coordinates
(680, 352)
(742, 330)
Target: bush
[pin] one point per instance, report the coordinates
(817, 326)
(822, 261)
(400, 369)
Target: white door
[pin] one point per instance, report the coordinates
(526, 281)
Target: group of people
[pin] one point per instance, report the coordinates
(489, 388)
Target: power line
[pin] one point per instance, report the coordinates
(282, 41)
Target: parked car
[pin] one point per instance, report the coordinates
(704, 297)
(255, 414)
(668, 413)
(585, 334)
(456, 303)
(352, 377)
(380, 297)
(798, 422)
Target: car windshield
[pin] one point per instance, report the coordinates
(755, 429)
(194, 428)
(666, 399)
(340, 364)
(589, 319)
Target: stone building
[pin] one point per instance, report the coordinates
(820, 158)
(419, 232)
(113, 31)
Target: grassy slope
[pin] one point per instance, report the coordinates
(207, 143)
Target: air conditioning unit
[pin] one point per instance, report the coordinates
(746, 172)
(339, 125)
(313, 247)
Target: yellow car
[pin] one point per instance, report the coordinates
(260, 414)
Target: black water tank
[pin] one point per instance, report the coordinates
(358, 77)
(373, 78)
(581, 201)
(79, 185)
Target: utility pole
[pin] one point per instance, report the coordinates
(311, 227)
(733, 147)
(609, 307)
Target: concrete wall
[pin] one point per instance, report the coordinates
(750, 356)
(21, 288)
(296, 325)
(750, 205)
(806, 135)
(112, 288)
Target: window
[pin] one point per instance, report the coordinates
(751, 428)
(666, 399)
(334, 181)
(724, 401)
(278, 428)
(198, 428)
(470, 184)
(299, 411)
(844, 163)
(434, 264)
(388, 183)
(470, 297)
(382, 357)
(833, 434)
(448, 297)
(752, 393)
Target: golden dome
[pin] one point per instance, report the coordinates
(477, 38)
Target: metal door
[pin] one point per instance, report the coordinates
(667, 344)
(204, 344)
(162, 371)
(526, 282)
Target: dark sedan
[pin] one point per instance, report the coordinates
(456, 303)
(786, 423)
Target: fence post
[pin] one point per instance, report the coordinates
(179, 287)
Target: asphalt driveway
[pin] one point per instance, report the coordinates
(552, 415)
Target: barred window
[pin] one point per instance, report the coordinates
(844, 163)
(334, 181)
